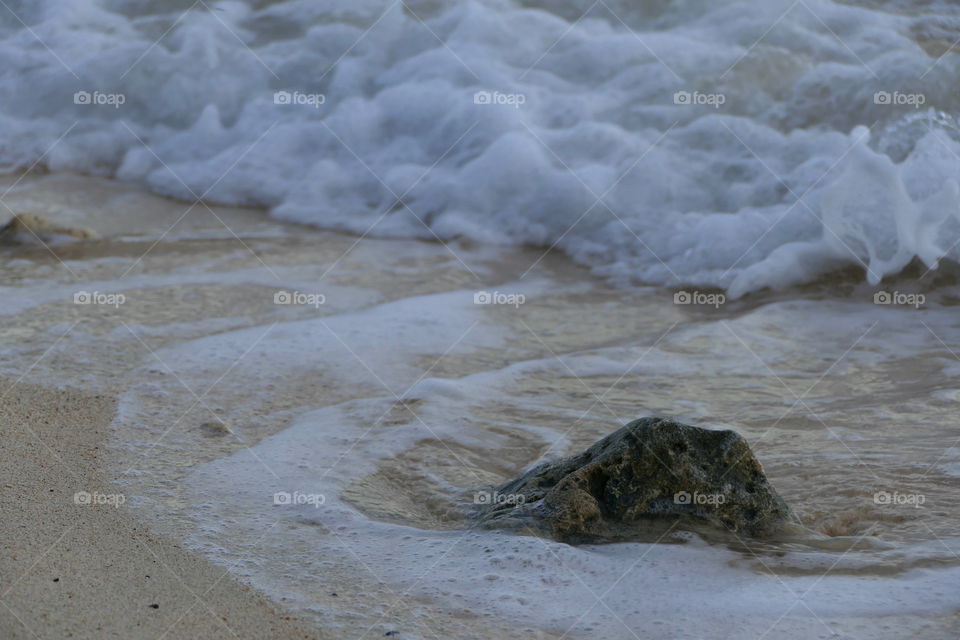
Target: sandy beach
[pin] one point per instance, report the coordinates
(181, 412)
(83, 560)
(96, 571)
(490, 320)
(86, 567)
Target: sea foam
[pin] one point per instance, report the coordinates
(713, 143)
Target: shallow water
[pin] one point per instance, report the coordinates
(389, 404)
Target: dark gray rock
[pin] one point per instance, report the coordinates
(651, 470)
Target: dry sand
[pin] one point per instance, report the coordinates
(93, 571)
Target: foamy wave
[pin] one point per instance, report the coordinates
(714, 143)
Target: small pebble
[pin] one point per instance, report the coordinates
(215, 428)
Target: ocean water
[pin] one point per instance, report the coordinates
(736, 144)
(391, 470)
(799, 151)
(386, 418)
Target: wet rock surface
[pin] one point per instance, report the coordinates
(26, 225)
(652, 470)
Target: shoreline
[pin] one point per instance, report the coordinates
(74, 570)
(304, 389)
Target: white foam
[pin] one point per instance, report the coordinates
(298, 551)
(771, 188)
(498, 576)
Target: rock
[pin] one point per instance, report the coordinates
(216, 428)
(650, 470)
(32, 224)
